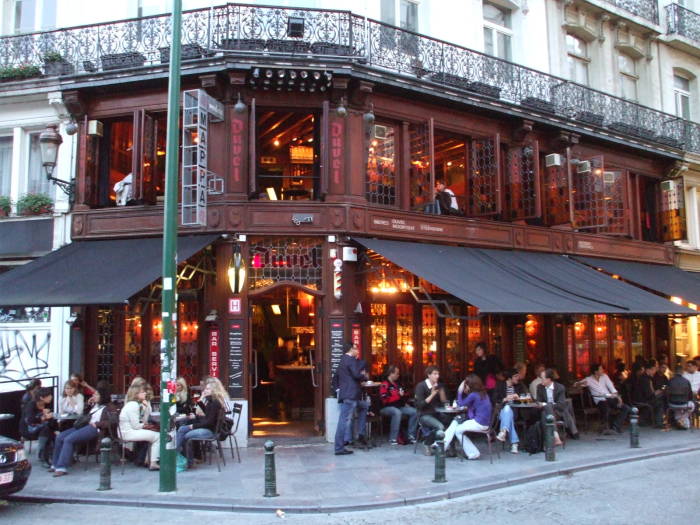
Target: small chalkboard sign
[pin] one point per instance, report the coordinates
(235, 359)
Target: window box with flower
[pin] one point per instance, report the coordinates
(34, 204)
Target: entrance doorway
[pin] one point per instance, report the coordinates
(285, 387)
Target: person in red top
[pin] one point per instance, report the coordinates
(394, 405)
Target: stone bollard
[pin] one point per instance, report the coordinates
(105, 464)
(549, 454)
(634, 428)
(439, 457)
(270, 473)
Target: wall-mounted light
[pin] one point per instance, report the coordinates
(239, 106)
(276, 309)
(49, 142)
(369, 116)
(236, 271)
(271, 194)
(341, 110)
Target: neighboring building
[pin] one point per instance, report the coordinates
(346, 123)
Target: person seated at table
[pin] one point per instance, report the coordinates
(645, 394)
(692, 375)
(81, 385)
(209, 410)
(507, 391)
(393, 399)
(472, 395)
(680, 398)
(660, 378)
(133, 422)
(72, 402)
(37, 422)
(521, 369)
(605, 397)
(30, 392)
(554, 394)
(539, 368)
(621, 373)
(183, 404)
(430, 395)
(101, 414)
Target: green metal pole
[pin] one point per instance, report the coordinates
(168, 348)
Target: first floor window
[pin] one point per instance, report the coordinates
(5, 165)
(681, 90)
(36, 176)
(627, 67)
(577, 59)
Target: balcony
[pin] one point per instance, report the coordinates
(683, 30)
(141, 46)
(646, 9)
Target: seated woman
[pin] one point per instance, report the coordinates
(134, 417)
(506, 392)
(210, 408)
(183, 403)
(81, 385)
(72, 401)
(101, 414)
(394, 405)
(471, 394)
(37, 422)
(30, 394)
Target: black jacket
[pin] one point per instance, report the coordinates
(349, 377)
(679, 391)
(489, 365)
(421, 394)
(500, 391)
(643, 389)
(212, 411)
(559, 395)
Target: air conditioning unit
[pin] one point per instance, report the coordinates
(609, 177)
(379, 131)
(553, 159)
(95, 128)
(583, 166)
(668, 185)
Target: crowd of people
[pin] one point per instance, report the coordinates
(86, 414)
(495, 398)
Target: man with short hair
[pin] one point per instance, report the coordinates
(645, 394)
(430, 395)
(539, 368)
(679, 395)
(554, 394)
(349, 394)
(693, 376)
(605, 397)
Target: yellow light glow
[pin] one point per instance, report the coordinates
(276, 309)
(692, 306)
(676, 300)
(276, 142)
(271, 194)
(160, 153)
(615, 276)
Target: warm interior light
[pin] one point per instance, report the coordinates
(160, 152)
(276, 309)
(271, 194)
(615, 276)
(692, 306)
(676, 300)
(276, 142)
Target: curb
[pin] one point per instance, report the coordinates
(232, 506)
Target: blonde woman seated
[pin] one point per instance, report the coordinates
(72, 401)
(133, 419)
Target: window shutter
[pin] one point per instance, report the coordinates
(672, 221)
(419, 169)
(587, 195)
(484, 178)
(522, 182)
(556, 193)
(616, 203)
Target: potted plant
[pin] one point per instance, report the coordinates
(55, 64)
(19, 72)
(122, 60)
(5, 206)
(34, 204)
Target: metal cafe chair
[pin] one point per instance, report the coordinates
(489, 433)
(235, 415)
(207, 442)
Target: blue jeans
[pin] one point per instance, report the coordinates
(184, 434)
(361, 410)
(66, 441)
(507, 419)
(395, 414)
(344, 429)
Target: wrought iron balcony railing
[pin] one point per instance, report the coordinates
(308, 33)
(683, 21)
(647, 9)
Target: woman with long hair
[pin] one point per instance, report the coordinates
(37, 422)
(72, 401)
(81, 385)
(132, 419)
(209, 410)
(473, 396)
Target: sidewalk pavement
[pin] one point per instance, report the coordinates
(310, 478)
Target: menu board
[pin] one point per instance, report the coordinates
(337, 339)
(235, 359)
(519, 344)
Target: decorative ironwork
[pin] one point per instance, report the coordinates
(647, 9)
(382, 165)
(521, 183)
(616, 203)
(556, 194)
(275, 259)
(419, 139)
(254, 31)
(587, 190)
(104, 356)
(672, 215)
(682, 21)
(484, 182)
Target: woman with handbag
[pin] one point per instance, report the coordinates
(86, 428)
(133, 422)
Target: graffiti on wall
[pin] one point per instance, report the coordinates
(24, 354)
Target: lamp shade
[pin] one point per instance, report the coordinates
(49, 142)
(236, 271)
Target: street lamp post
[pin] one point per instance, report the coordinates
(49, 142)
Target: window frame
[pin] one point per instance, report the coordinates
(496, 30)
(575, 58)
(624, 75)
(680, 93)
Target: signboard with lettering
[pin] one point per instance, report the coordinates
(234, 305)
(337, 339)
(235, 359)
(214, 352)
(357, 337)
(337, 133)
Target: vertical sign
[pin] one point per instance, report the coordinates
(357, 336)
(336, 152)
(214, 352)
(235, 359)
(234, 305)
(337, 339)
(237, 127)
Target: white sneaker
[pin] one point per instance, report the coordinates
(501, 436)
(514, 448)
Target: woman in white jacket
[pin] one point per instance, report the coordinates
(132, 419)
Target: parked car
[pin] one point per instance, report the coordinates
(14, 467)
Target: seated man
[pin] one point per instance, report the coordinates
(693, 376)
(605, 397)
(446, 197)
(505, 393)
(645, 394)
(539, 368)
(430, 395)
(681, 400)
(394, 406)
(553, 393)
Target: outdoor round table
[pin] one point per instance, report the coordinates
(370, 384)
(65, 421)
(451, 412)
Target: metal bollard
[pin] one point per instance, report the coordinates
(634, 428)
(105, 464)
(549, 454)
(270, 473)
(439, 457)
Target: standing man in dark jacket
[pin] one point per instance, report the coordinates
(349, 393)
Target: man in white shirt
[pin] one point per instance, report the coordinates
(539, 368)
(693, 375)
(446, 197)
(605, 397)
